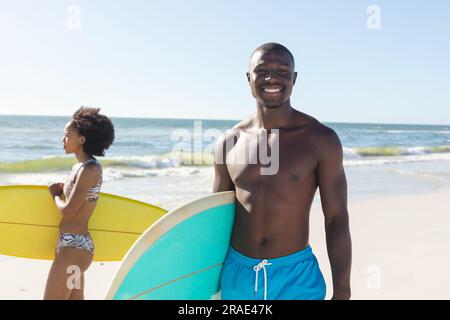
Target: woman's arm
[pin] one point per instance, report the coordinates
(87, 177)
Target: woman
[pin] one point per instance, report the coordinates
(86, 135)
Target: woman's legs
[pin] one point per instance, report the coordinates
(66, 275)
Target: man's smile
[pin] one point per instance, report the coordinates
(272, 89)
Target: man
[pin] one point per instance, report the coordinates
(270, 256)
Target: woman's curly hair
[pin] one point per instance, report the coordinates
(96, 128)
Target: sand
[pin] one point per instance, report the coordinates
(400, 251)
(400, 247)
(25, 279)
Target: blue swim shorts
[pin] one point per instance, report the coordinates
(293, 277)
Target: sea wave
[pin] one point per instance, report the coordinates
(406, 131)
(378, 161)
(109, 175)
(352, 153)
(418, 131)
(55, 163)
(130, 165)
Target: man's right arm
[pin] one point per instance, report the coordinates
(222, 179)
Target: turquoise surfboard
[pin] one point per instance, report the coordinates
(180, 256)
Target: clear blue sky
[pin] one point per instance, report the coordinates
(187, 59)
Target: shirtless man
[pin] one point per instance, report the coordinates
(270, 256)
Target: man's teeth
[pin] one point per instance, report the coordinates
(272, 90)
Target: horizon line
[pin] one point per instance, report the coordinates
(216, 119)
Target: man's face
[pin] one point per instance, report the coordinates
(271, 77)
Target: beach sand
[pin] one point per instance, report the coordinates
(400, 247)
(400, 251)
(25, 279)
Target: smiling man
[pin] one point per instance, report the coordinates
(270, 256)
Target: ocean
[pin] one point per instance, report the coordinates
(155, 160)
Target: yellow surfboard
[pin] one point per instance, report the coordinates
(29, 222)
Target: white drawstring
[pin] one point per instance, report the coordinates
(259, 266)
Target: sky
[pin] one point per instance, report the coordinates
(378, 61)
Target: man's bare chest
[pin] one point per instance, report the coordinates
(287, 158)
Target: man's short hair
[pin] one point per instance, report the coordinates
(273, 46)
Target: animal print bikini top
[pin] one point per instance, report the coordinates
(94, 191)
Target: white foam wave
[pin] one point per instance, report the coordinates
(147, 162)
(34, 178)
(350, 153)
(362, 162)
(378, 130)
